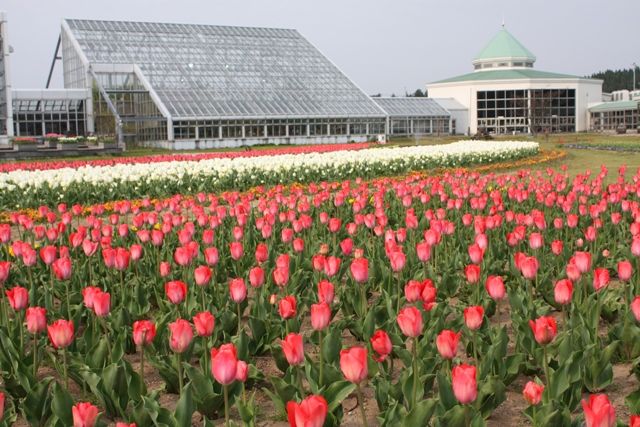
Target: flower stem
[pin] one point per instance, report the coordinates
(361, 405)
(545, 363)
(180, 379)
(64, 368)
(35, 356)
(226, 405)
(321, 361)
(21, 329)
(415, 372)
(142, 362)
(239, 321)
(299, 378)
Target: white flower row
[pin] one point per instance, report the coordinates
(299, 167)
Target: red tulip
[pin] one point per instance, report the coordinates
(1, 405)
(476, 253)
(381, 344)
(346, 246)
(563, 291)
(463, 380)
(88, 294)
(144, 331)
(28, 255)
(557, 246)
(242, 371)
(36, 318)
(598, 411)
(413, 290)
(136, 252)
(582, 260)
(122, 259)
(410, 321)
(625, 271)
(287, 307)
(18, 298)
(256, 277)
(62, 268)
(165, 269)
(635, 308)
(280, 276)
(204, 323)
(423, 250)
(121, 424)
(473, 317)
(224, 364)
(84, 414)
(600, 278)
(101, 303)
(535, 241)
(360, 270)
(533, 392)
(544, 329)
(237, 290)
(236, 250)
(320, 316)
(529, 267)
(48, 254)
(447, 344)
(428, 294)
(182, 256)
(495, 287)
(202, 275)
(61, 333)
(311, 412)
(331, 266)
(325, 291)
(472, 273)
(318, 261)
(397, 259)
(176, 291)
(262, 253)
(5, 266)
(211, 256)
(293, 348)
(634, 421)
(181, 335)
(353, 364)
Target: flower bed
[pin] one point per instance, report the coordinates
(22, 189)
(430, 300)
(161, 158)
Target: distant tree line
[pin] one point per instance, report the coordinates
(617, 79)
(417, 93)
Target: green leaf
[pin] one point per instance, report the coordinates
(421, 414)
(337, 392)
(185, 407)
(61, 405)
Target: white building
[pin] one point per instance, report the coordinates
(505, 94)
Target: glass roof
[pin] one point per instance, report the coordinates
(215, 71)
(405, 107)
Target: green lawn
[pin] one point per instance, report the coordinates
(577, 160)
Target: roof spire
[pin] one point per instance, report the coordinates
(503, 20)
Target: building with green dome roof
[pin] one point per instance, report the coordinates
(505, 94)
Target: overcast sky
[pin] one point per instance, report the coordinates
(383, 45)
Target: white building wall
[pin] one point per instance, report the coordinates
(466, 94)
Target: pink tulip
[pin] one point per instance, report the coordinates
(463, 381)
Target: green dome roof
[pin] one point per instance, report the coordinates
(504, 45)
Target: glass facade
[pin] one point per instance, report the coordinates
(276, 128)
(415, 116)
(206, 71)
(38, 117)
(611, 120)
(525, 110)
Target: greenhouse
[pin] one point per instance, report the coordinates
(415, 116)
(187, 86)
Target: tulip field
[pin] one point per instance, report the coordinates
(363, 300)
